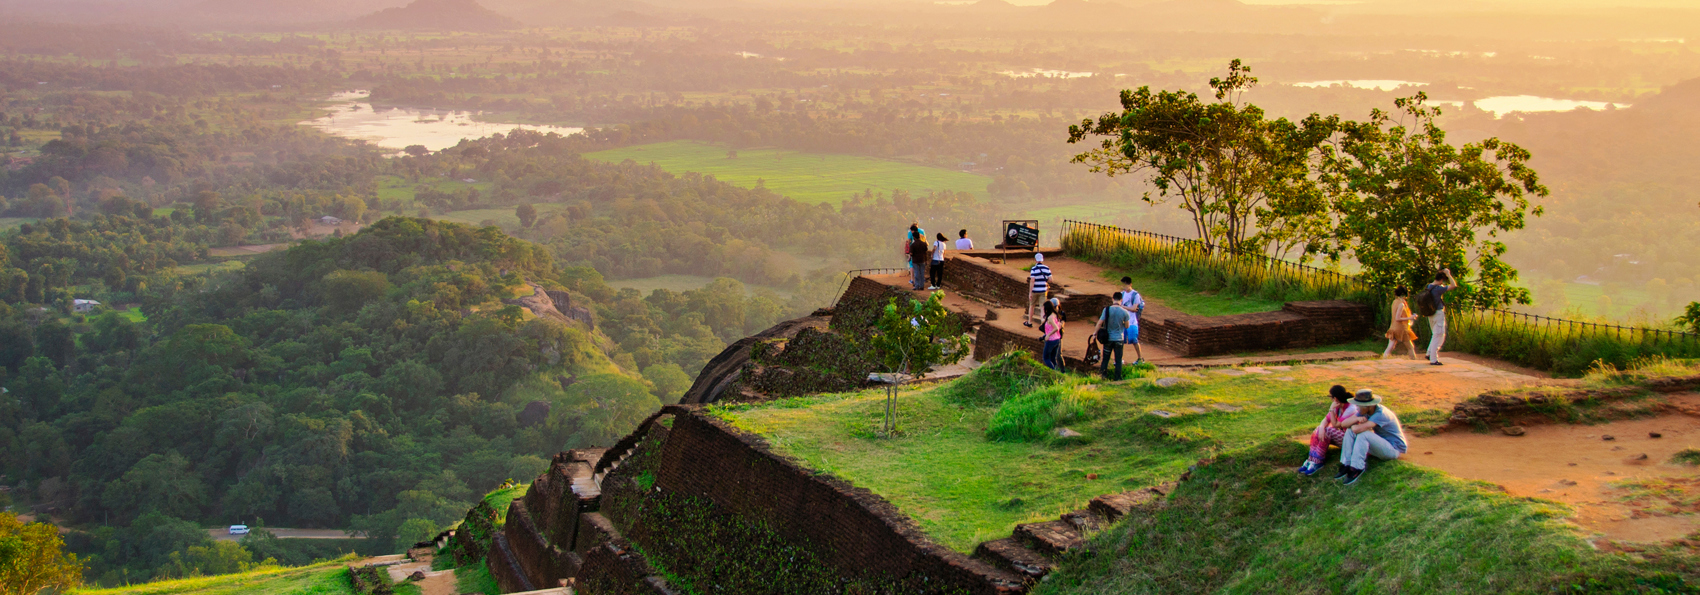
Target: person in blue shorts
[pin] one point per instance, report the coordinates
(1135, 306)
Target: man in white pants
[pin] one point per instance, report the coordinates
(1443, 282)
(1375, 431)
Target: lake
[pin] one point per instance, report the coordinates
(1377, 84)
(353, 116)
(1506, 104)
(1046, 73)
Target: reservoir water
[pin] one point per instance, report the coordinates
(1506, 104)
(1046, 73)
(353, 116)
(1377, 84)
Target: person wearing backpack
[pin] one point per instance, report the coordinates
(1432, 303)
(1112, 331)
(918, 258)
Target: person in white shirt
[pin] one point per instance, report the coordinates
(1135, 306)
(938, 263)
(964, 243)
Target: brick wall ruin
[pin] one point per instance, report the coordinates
(850, 527)
(567, 530)
(1296, 325)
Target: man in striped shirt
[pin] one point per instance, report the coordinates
(1038, 284)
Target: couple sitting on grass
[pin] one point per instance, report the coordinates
(1362, 427)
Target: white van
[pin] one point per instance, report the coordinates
(238, 529)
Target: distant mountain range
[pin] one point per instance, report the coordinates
(441, 15)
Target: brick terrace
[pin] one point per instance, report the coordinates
(993, 293)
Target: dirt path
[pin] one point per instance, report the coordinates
(223, 534)
(1414, 385)
(1623, 489)
(436, 582)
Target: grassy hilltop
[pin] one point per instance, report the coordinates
(977, 455)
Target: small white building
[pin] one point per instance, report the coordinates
(84, 306)
(329, 220)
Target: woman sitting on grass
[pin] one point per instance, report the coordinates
(1053, 328)
(1332, 430)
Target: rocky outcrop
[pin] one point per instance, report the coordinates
(554, 304)
(564, 304)
(728, 366)
(813, 361)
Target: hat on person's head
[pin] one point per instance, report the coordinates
(1366, 397)
(1038, 257)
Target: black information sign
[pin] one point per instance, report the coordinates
(1021, 234)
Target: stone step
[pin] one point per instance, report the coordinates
(586, 488)
(1008, 554)
(1086, 522)
(1051, 538)
(611, 467)
(1112, 507)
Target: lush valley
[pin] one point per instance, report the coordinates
(213, 314)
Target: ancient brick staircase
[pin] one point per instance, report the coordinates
(1034, 549)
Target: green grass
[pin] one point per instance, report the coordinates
(1188, 266)
(11, 222)
(393, 188)
(1564, 350)
(209, 267)
(476, 579)
(499, 499)
(1686, 456)
(325, 578)
(1191, 301)
(1248, 524)
(963, 488)
(807, 177)
(134, 314)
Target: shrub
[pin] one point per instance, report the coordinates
(1030, 417)
(1001, 378)
(1191, 263)
(1563, 347)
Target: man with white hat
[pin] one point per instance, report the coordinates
(1375, 431)
(1038, 283)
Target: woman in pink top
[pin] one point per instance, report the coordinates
(1331, 430)
(1053, 328)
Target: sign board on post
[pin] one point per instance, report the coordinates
(1021, 234)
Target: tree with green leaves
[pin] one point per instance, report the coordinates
(1690, 318)
(32, 560)
(914, 337)
(1408, 204)
(1243, 178)
(527, 214)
